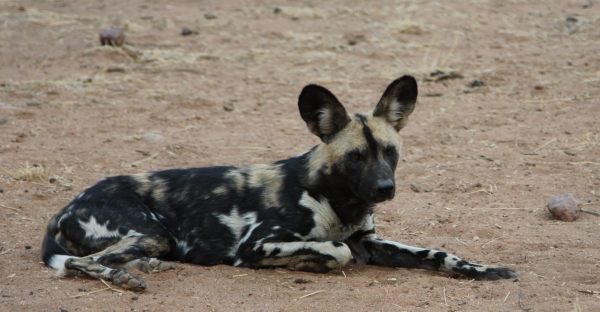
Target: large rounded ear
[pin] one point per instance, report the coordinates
(323, 113)
(397, 102)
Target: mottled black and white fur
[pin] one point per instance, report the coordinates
(312, 212)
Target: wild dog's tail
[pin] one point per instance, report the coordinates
(53, 254)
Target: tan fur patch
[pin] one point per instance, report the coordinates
(156, 187)
(220, 190)
(384, 132)
(235, 176)
(143, 181)
(350, 138)
(270, 178)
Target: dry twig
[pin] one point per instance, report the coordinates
(15, 209)
(520, 304)
(591, 212)
(314, 293)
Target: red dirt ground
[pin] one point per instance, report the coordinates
(490, 157)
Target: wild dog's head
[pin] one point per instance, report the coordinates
(359, 152)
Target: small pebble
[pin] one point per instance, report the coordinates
(3, 120)
(565, 207)
(210, 16)
(229, 107)
(115, 69)
(188, 32)
(153, 137)
(33, 102)
(112, 36)
(415, 188)
(476, 83)
(134, 298)
(63, 310)
(85, 79)
(27, 246)
(276, 10)
(427, 190)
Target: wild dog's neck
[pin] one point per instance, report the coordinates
(320, 182)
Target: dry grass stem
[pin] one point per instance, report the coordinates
(109, 287)
(458, 240)
(314, 293)
(11, 208)
(591, 212)
(30, 173)
(506, 297)
(445, 301)
(548, 143)
(573, 98)
(501, 208)
(588, 143)
(91, 292)
(589, 292)
(135, 163)
(520, 304)
(240, 275)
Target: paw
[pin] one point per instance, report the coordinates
(487, 273)
(128, 280)
(311, 266)
(64, 272)
(151, 265)
(497, 273)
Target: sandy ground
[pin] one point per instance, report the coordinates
(485, 159)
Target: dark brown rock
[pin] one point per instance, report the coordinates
(565, 207)
(112, 36)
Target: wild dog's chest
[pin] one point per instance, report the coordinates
(327, 225)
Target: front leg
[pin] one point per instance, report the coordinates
(368, 248)
(318, 257)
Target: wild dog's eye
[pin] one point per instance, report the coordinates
(355, 155)
(389, 151)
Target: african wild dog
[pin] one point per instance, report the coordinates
(312, 212)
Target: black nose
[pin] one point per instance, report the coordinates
(385, 188)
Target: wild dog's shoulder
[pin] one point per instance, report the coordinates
(327, 224)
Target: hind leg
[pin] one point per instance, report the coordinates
(146, 265)
(94, 269)
(130, 252)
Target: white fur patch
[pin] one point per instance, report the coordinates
(64, 216)
(301, 154)
(236, 223)
(393, 112)
(57, 262)
(328, 226)
(183, 246)
(341, 253)
(95, 230)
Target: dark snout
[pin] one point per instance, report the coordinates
(386, 188)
